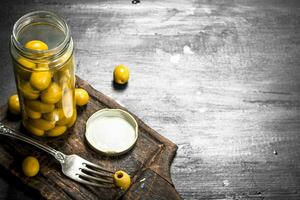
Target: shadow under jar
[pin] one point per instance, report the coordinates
(42, 54)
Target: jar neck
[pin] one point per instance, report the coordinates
(36, 18)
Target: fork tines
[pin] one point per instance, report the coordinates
(95, 175)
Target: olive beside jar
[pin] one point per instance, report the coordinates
(42, 54)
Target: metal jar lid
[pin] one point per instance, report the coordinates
(111, 131)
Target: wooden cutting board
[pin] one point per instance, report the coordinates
(148, 163)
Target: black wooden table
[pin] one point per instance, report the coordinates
(221, 79)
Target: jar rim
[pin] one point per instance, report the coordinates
(19, 25)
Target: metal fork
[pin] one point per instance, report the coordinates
(73, 166)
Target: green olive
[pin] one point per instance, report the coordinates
(55, 115)
(32, 129)
(81, 97)
(32, 114)
(42, 67)
(41, 124)
(68, 121)
(14, 104)
(26, 63)
(64, 121)
(30, 166)
(40, 106)
(37, 45)
(28, 92)
(122, 179)
(40, 80)
(56, 131)
(121, 74)
(52, 94)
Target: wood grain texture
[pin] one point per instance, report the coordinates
(219, 78)
(148, 163)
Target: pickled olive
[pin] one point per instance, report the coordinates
(30, 166)
(28, 92)
(55, 115)
(121, 74)
(73, 119)
(68, 121)
(32, 129)
(32, 114)
(52, 94)
(26, 63)
(122, 179)
(56, 131)
(81, 97)
(64, 121)
(41, 124)
(36, 45)
(14, 104)
(39, 106)
(42, 67)
(40, 80)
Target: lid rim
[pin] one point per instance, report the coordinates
(101, 113)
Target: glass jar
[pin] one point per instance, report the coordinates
(42, 54)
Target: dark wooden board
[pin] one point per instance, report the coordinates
(148, 162)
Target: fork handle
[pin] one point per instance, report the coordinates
(4, 130)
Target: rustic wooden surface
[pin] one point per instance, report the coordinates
(221, 79)
(148, 162)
